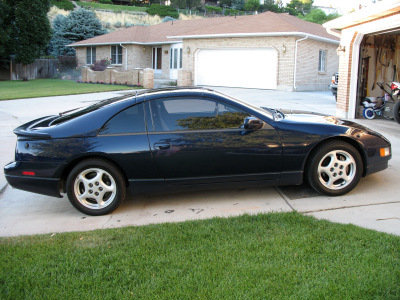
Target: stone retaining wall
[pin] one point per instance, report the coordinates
(137, 77)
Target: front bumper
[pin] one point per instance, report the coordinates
(39, 185)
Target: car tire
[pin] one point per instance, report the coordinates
(95, 187)
(396, 111)
(334, 168)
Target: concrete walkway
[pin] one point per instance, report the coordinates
(373, 204)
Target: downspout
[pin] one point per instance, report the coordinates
(126, 57)
(295, 61)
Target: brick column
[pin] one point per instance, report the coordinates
(148, 78)
(345, 65)
(184, 78)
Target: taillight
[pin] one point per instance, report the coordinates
(28, 173)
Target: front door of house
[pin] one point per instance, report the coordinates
(175, 60)
(157, 59)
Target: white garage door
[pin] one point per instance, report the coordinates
(247, 68)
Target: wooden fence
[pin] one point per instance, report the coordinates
(40, 68)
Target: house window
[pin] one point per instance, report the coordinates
(90, 55)
(322, 61)
(116, 55)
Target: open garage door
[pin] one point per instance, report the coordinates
(246, 68)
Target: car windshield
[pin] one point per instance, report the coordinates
(71, 114)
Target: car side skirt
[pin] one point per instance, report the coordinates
(140, 186)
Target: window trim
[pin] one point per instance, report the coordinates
(116, 55)
(322, 61)
(90, 49)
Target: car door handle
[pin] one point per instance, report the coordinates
(161, 146)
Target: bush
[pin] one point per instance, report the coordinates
(117, 24)
(105, 1)
(231, 12)
(67, 63)
(62, 4)
(212, 9)
(162, 11)
(100, 65)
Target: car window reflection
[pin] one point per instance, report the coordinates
(194, 114)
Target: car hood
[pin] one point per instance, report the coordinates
(313, 118)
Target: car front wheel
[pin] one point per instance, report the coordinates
(335, 168)
(95, 187)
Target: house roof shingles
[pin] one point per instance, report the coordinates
(267, 22)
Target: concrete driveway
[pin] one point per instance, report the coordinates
(373, 204)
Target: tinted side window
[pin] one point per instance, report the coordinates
(194, 114)
(230, 116)
(129, 120)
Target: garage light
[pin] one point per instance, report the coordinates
(384, 151)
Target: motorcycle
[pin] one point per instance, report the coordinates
(387, 106)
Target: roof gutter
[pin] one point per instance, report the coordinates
(256, 34)
(125, 43)
(295, 61)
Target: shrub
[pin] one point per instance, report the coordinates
(67, 63)
(105, 1)
(99, 65)
(212, 9)
(162, 11)
(62, 4)
(231, 12)
(252, 5)
(117, 24)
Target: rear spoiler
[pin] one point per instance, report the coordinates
(30, 129)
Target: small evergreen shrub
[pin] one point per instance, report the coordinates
(162, 11)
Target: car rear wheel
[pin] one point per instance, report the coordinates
(335, 168)
(95, 187)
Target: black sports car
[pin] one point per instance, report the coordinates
(186, 137)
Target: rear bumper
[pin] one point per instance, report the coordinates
(39, 185)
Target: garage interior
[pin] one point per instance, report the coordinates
(379, 66)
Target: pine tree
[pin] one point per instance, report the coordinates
(79, 25)
(28, 29)
(82, 24)
(32, 29)
(58, 42)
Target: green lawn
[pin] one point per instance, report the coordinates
(272, 256)
(16, 89)
(112, 7)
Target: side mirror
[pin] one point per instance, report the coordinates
(253, 123)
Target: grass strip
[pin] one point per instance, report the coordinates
(269, 256)
(17, 89)
(112, 7)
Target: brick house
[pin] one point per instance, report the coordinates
(369, 53)
(267, 51)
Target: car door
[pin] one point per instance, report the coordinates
(200, 139)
